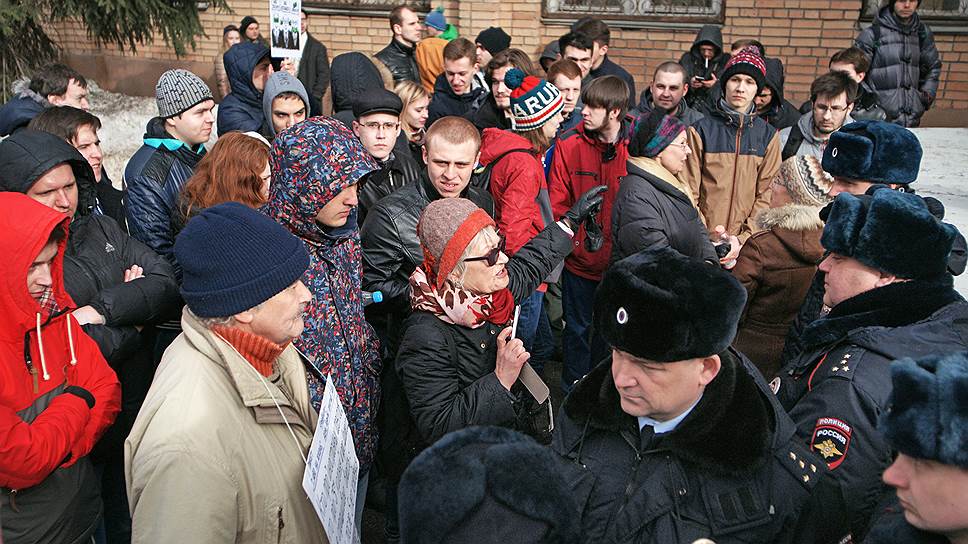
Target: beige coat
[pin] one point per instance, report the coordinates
(210, 460)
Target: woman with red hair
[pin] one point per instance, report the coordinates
(235, 170)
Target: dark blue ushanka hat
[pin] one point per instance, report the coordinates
(891, 231)
(873, 151)
(486, 485)
(663, 306)
(928, 414)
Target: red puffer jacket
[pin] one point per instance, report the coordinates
(516, 182)
(581, 162)
(43, 430)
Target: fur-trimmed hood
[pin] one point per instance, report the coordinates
(711, 436)
(795, 217)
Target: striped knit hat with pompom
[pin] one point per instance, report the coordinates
(533, 101)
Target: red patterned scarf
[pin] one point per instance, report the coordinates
(459, 306)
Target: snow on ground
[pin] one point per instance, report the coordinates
(944, 168)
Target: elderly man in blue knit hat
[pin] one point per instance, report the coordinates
(890, 295)
(926, 424)
(217, 452)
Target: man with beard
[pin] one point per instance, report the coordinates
(832, 97)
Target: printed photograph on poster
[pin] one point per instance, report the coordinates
(284, 29)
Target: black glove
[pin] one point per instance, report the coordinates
(587, 205)
(593, 236)
(79, 391)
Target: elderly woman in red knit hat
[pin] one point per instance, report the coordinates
(458, 361)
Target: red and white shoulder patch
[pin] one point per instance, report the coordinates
(831, 439)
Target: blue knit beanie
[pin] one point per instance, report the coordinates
(234, 258)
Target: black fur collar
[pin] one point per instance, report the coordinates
(729, 432)
(893, 305)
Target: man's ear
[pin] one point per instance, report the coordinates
(56, 99)
(603, 49)
(862, 76)
(710, 369)
(397, 30)
(356, 130)
(886, 279)
(245, 317)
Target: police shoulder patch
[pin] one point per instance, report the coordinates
(831, 440)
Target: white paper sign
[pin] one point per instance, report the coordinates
(284, 27)
(332, 470)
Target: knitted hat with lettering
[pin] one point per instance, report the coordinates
(445, 228)
(748, 61)
(533, 101)
(179, 90)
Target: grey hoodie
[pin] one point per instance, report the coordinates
(811, 145)
(278, 83)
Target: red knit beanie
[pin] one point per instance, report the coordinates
(445, 228)
(748, 61)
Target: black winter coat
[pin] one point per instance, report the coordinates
(445, 102)
(684, 112)
(241, 109)
(447, 370)
(488, 116)
(154, 177)
(696, 65)
(314, 73)
(650, 213)
(401, 61)
(905, 66)
(399, 170)
(732, 471)
(839, 385)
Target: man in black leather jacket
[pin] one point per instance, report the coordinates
(399, 54)
(377, 125)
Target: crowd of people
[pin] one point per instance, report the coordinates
(753, 310)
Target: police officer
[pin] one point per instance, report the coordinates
(676, 436)
(890, 297)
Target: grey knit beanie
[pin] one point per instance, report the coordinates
(180, 90)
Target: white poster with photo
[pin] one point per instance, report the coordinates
(332, 470)
(284, 27)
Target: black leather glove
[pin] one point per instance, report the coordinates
(594, 240)
(79, 391)
(587, 205)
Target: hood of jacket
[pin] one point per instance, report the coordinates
(350, 75)
(157, 137)
(495, 142)
(312, 162)
(797, 227)
(26, 225)
(774, 81)
(278, 83)
(710, 436)
(240, 60)
(708, 34)
(21, 109)
(28, 154)
(887, 18)
(805, 124)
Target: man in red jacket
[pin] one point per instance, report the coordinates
(591, 154)
(57, 393)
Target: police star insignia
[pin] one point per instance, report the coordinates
(827, 449)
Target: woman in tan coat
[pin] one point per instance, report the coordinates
(777, 264)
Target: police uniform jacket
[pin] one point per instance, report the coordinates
(732, 470)
(839, 385)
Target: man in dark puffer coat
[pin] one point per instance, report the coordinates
(905, 64)
(890, 297)
(351, 75)
(113, 301)
(676, 437)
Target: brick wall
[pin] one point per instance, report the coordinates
(803, 33)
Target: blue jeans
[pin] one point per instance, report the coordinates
(583, 347)
(528, 320)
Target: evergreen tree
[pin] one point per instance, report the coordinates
(25, 44)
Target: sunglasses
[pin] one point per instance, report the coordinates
(491, 257)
